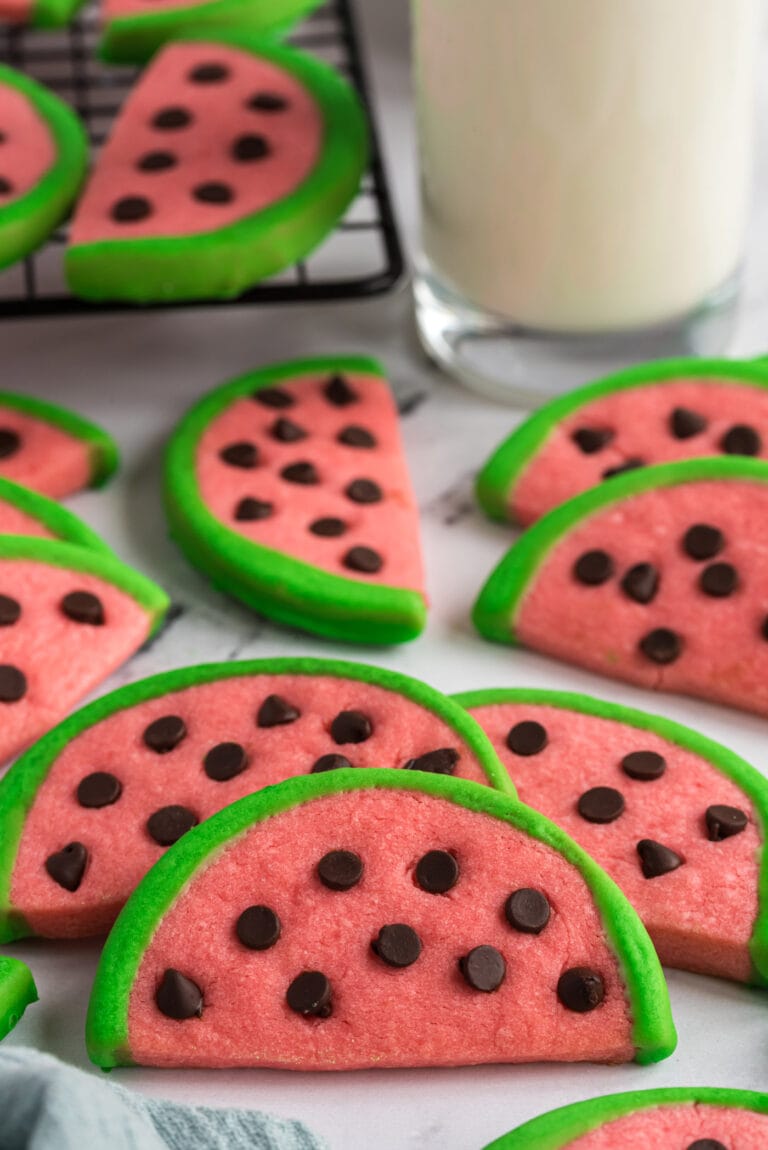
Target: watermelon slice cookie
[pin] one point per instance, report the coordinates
(43, 157)
(693, 1118)
(289, 488)
(38, 13)
(659, 578)
(677, 820)
(24, 512)
(132, 772)
(377, 918)
(17, 992)
(654, 413)
(231, 159)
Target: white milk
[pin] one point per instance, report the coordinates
(585, 163)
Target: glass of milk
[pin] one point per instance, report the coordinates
(585, 174)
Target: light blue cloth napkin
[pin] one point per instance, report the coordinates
(46, 1105)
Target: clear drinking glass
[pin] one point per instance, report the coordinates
(585, 174)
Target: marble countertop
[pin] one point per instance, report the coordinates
(136, 374)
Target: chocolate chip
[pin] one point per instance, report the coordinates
(592, 439)
(363, 559)
(249, 148)
(13, 683)
(741, 439)
(580, 989)
(354, 436)
(622, 468)
(225, 761)
(397, 945)
(169, 119)
(83, 607)
(593, 568)
(274, 397)
(364, 491)
(131, 209)
(213, 192)
(684, 423)
(258, 928)
(527, 910)
(601, 805)
(338, 392)
(719, 580)
(242, 454)
(328, 528)
(10, 611)
(661, 646)
(268, 102)
(329, 763)
(340, 870)
(251, 510)
(67, 866)
(310, 995)
(723, 822)
(645, 766)
(656, 859)
(641, 583)
(10, 442)
(483, 968)
(437, 872)
(303, 473)
(702, 541)
(707, 1144)
(6, 187)
(165, 734)
(440, 762)
(99, 789)
(156, 161)
(351, 727)
(527, 738)
(167, 825)
(178, 997)
(276, 711)
(764, 628)
(286, 431)
(208, 74)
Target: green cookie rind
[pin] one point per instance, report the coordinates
(54, 13)
(26, 222)
(499, 601)
(558, 1128)
(57, 519)
(103, 451)
(19, 787)
(722, 758)
(107, 1025)
(498, 477)
(224, 262)
(17, 992)
(271, 582)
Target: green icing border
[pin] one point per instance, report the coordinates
(17, 992)
(103, 451)
(558, 1128)
(54, 13)
(107, 1025)
(718, 756)
(224, 262)
(495, 483)
(497, 606)
(28, 220)
(271, 582)
(57, 519)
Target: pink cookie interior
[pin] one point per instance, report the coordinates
(676, 1127)
(121, 850)
(220, 115)
(725, 656)
(13, 521)
(16, 11)
(423, 1015)
(390, 527)
(48, 459)
(115, 9)
(700, 916)
(26, 146)
(640, 419)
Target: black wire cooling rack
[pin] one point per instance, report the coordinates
(362, 257)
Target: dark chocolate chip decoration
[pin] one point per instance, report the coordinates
(167, 825)
(213, 192)
(178, 997)
(593, 568)
(527, 910)
(527, 738)
(67, 866)
(243, 454)
(338, 392)
(684, 423)
(645, 766)
(276, 711)
(440, 762)
(483, 968)
(590, 440)
(274, 397)
(209, 74)
(397, 945)
(363, 559)
(354, 436)
(258, 928)
(719, 580)
(249, 148)
(10, 442)
(364, 491)
(83, 607)
(310, 995)
(225, 761)
(165, 734)
(340, 870)
(250, 510)
(168, 119)
(328, 528)
(656, 859)
(6, 187)
(268, 102)
(100, 789)
(303, 473)
(661, 646)
(622, 468)
(156, 161)
(13, 683)
(437, 872)
(10, 611)
(723, 822)
(741, 439)
(131, 209)
(351, 727)
(329, 763)
(707, 1144)
(702, 541)
(286, 431)
(580, 989)
(641, 583)
(601, 805)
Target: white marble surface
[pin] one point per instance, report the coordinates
(136, 374)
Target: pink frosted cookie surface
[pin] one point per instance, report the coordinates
(679, 1127)
(423, 1014)
(14, 521)
(41, 456)
(26, 146)
(114, 9)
